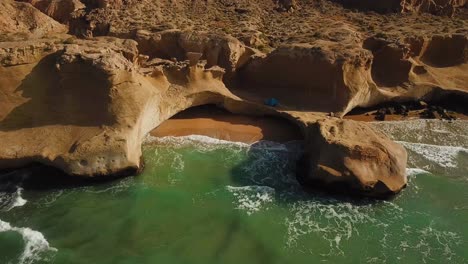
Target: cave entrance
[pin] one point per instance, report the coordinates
(215, 122)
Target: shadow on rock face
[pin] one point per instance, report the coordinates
(446, 51)
(387, 6)
(76, 94)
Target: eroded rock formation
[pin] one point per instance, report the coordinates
(95, 125)
(60, 10)
(333, 158)
(22, 19)
(439, 7)
(85, 106)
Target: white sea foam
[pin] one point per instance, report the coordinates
(252, 199)
(35, 243)
(444, 156)
(415, 171)
(205, 142)
(336, 222)
(9, 201)
(435, 132)
(19, 200)
(333, 221)
(269, 179)
(192, 139)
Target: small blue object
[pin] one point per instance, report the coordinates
(271, 102)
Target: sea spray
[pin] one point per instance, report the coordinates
(433, 132)
(10, 200)
(439, 147)
(443, 156)
(35, 243)
(19, 200)
(207, 196)
(252, 199)
(269, 180)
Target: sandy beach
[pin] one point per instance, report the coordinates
(217, 123)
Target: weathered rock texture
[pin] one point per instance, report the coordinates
(339, 152)
(24, 20)
(95, 125)
(441, 7)
(60, 10)
(84, 106)
(438, 7)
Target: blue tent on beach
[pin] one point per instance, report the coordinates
(271, 102)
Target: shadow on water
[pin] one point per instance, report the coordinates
(45, 178)
(262, 252)
(277, 166)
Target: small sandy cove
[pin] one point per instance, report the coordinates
(217, 123)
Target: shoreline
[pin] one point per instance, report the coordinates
(220, 124)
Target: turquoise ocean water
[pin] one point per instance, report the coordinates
(202, 200)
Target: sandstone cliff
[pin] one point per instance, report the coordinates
(95, 125)
(85, 105)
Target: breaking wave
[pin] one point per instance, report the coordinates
(252, 199)
(432, 132)
(10, 200)
(35, 243)
(268, 179)
(436, 146)
(442, 156)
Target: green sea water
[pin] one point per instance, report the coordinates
(201, 200)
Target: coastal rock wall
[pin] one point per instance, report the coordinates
(95, 125)
(85, 105)
(336, 75)
(55, 116)
(415, 68)
(311, 76)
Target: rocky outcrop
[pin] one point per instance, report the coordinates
(437, 7)
(417, 67)
(286, 5)
(42, 118)
(379, 6)
(350, 154)
(310, 76)
(60, 10)
(224, 51)
(327, 76)
(23, 20)
(136, 81)
(103, 3)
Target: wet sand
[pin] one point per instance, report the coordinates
(218, 123)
